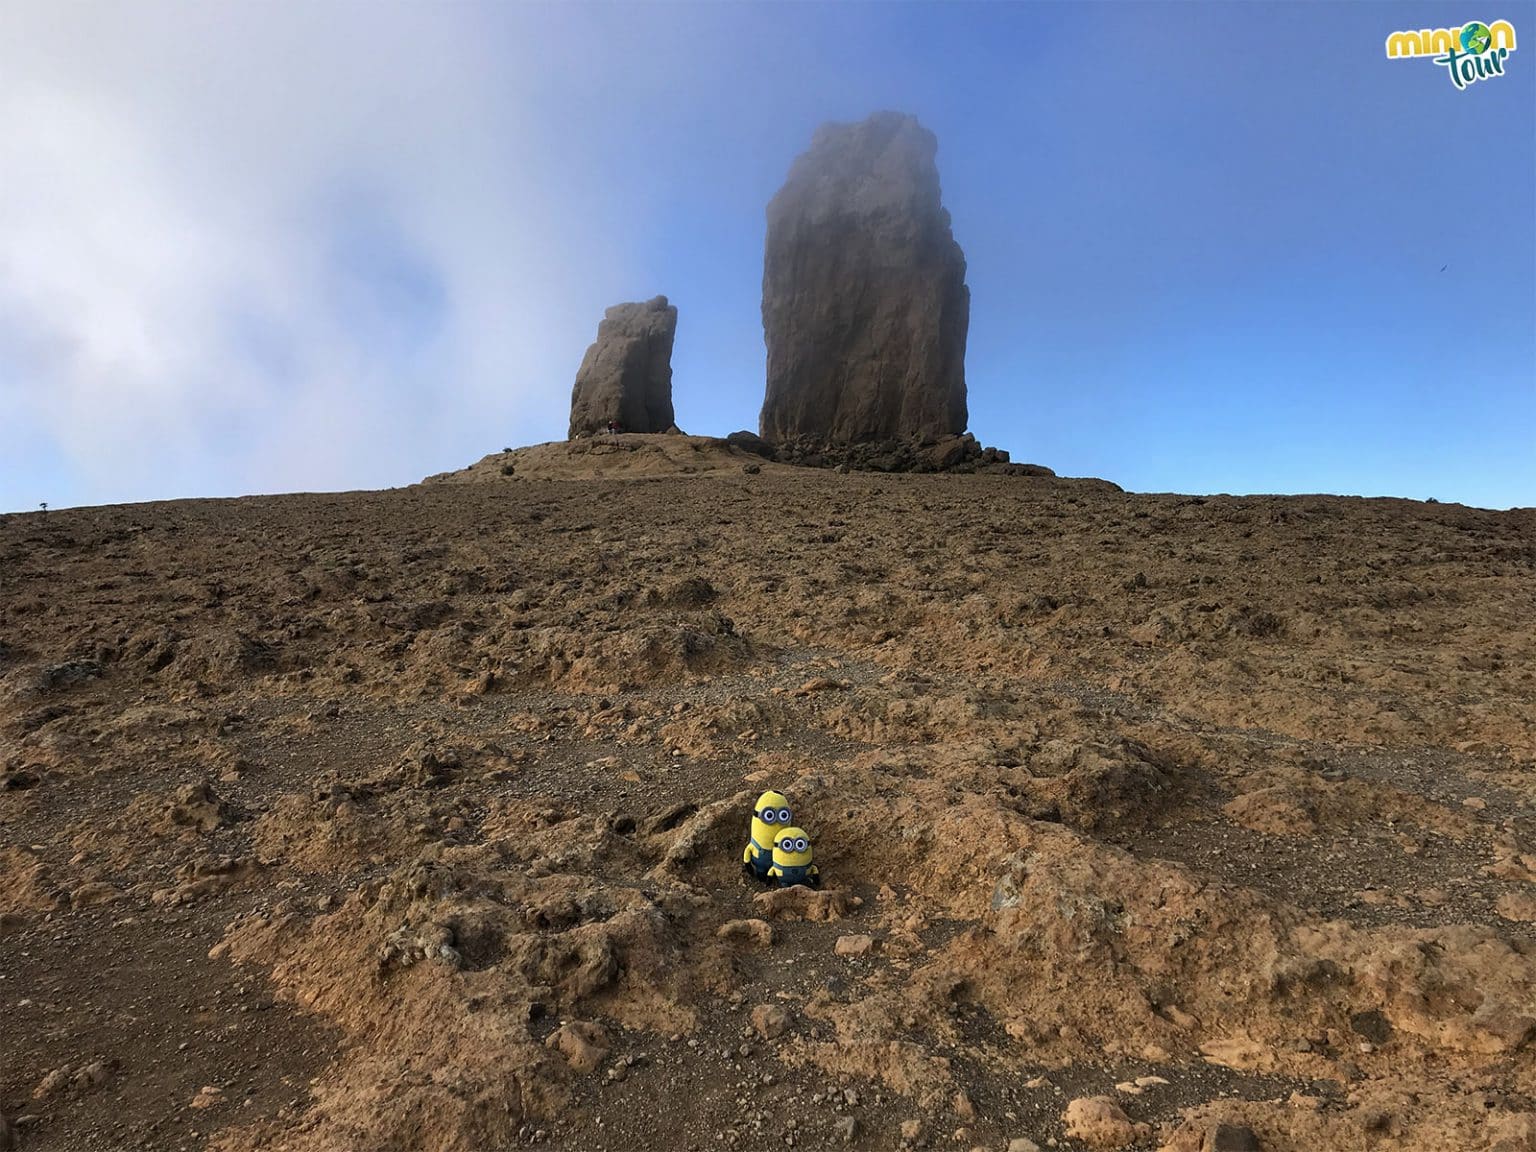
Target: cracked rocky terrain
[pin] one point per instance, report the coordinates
(413, 819)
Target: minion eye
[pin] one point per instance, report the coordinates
(800, 844)
(768, 816)
(783, 815)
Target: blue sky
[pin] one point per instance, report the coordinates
(262, 247)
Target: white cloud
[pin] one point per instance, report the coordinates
(261, 247)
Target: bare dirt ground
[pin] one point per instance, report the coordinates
(625, 455)
(412, 819)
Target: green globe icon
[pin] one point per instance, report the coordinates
(1475, 38)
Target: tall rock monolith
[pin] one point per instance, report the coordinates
(626, 375)
(865, 306)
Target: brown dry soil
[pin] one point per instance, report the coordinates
(627, 455)
(412, 819)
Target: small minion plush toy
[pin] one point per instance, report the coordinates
(770, 814)
(792, 859)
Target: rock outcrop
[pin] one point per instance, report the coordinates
(626, 375)
(912, 454)
(865, 306)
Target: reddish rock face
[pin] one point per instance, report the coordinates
(626, 375)
(865, 307)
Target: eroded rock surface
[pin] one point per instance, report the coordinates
(626, 375)
(865, 306)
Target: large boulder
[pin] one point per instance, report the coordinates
(750, 442)
(626, 375)
(865, 307)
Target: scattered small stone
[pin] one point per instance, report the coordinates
(1022, 1144)
(1232, 1138)
(52, 1083)
(1100, 1123)
(88, 1076)
(207, 1096)
(770, 1020)
(1376, 1120)
(1181, 1019)
(846, 1128)
(1150, 1082)
(910, 1130)
(751, 934)
(1129, 1088)
(583, 1045)
(1517, 906)
(963, 1106)
(802, 903)
(1476, 803)
(93, 893)
(819, 684)
(858, 945)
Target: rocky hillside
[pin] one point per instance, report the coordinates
(626, 456)
(413, 819)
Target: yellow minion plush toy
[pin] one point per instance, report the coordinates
(770, 814)
(792, 859)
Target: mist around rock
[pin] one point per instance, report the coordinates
(865, 307)
(865, 311)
